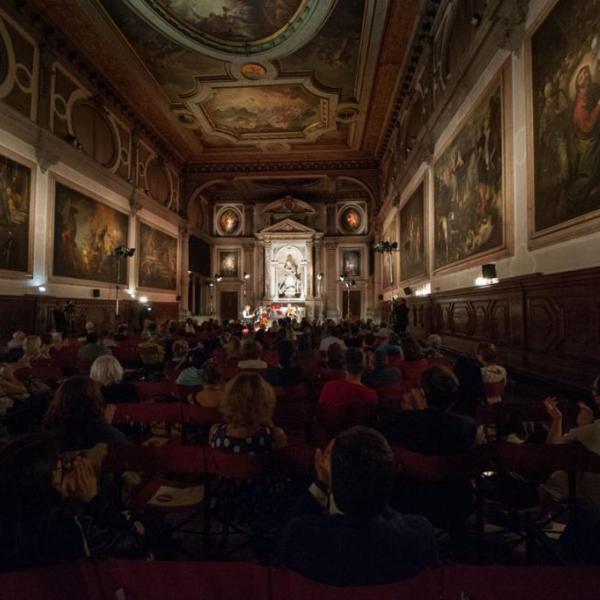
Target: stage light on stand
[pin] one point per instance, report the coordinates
(143, 299)
(41, 288)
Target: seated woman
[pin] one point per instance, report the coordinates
(33, 350)
(232, 348)
(179, 349)
(108, 372)
(248, 406)
(78, 417)
(248, 428)
(211, 395)
(190, 375)
(493, 375)
(39, 524)
(287, 373)
(250, 356)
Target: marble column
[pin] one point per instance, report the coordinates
(184, 265)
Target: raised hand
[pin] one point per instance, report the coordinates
(551, 405)
(585, 416)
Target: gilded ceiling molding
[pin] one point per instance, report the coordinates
(367, 164)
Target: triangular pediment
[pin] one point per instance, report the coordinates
(287, 226)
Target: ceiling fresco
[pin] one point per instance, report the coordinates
(232, 20)
(230, 81)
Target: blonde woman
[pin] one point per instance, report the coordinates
(108, 372)
(247, 409)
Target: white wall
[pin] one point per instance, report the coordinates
(42, 209)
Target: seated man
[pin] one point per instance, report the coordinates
(250, 355)
(428, 424)
(92, 349)
(331, 337)
(382, 374)
(342, 531)
(350, 390)
(392, 345)
(287, 373)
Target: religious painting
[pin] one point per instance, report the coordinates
(565, 96)
(468, 186)
(351, 220)
(229, 263)
(86, 234)
(157, 259)
(351, 260)
(250, 112)
(229, 221)
(15, 207)
(237, 21)
(412, 236)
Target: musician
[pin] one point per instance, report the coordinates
(248, 316)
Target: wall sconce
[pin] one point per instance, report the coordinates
(41, 288)
(218, 277)
(143, 299)
(246, 276)
(319, 276)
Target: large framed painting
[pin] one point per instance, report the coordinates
(564, 123)
(16, 191)
(86, 234)
(229, 263)
(471, 184)
(157, 259)
(351, 262)
(413, 260)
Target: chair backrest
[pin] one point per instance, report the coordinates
(287, 585)
(493, 390)
(198, 415)
(184, 580)
(150, 390)
(393, 392)
(440, 468)
(521, 583)
(149, 413)
(339, 418)
(184, 391)
(243, 467)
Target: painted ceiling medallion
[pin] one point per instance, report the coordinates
(236, 27)
(283, 112)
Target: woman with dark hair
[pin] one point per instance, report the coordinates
(38, 525)
(78, 417)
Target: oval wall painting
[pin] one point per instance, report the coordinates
(229, 221)
(351, 220)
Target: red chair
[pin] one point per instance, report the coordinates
(494, 390)
(296, 419)
(411, 370)
(74, 581)
(48, 374)
(287, 585)
(149, 414)
(184, 580)
(184, 391)
(153, 390)
(330, 420)
(521, 583)
(391, 394)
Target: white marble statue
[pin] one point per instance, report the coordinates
(289, 285)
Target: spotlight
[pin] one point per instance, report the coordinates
(42, 288)
(246, 276)
(218, 277)
(342, 277)
(123, 252)
(143, 299)
(319, 276)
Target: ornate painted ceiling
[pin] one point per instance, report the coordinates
(247, 81)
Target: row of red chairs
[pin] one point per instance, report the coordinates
(187, 580)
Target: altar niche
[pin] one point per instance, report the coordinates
(289, 270)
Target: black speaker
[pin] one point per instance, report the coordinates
(489, 271)
(96, 293)
(407, 291)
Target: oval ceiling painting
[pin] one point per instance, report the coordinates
(221, 28)
(234, 20)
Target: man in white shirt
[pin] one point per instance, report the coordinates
(333, 337)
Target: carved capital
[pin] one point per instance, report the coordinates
(45, 154)
(511, 25)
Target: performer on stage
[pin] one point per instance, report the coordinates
(248, 316)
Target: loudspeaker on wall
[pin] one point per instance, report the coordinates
(96, 293)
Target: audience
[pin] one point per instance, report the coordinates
(349, 390)
(335, 357)
(392, 345)
(108, 372)
(191, 373)
(33, 351)
(51, 510)
(332, 337)
(381, 374)
(250, 356)
(342, 531)
(92, 348)
(287, 373)
(78, 417)
(211, 395)
(492, 374)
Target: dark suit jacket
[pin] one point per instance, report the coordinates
(339, 550)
